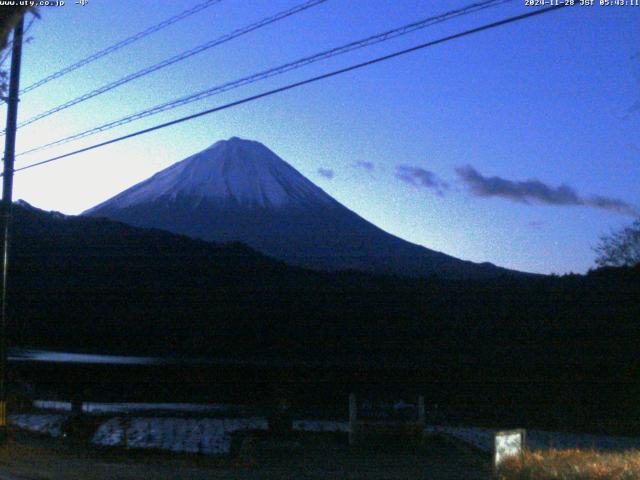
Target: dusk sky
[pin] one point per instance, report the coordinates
(518, 146)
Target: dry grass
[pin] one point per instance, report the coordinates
(571, 465)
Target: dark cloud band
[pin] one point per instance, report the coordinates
(369, 166)
(419, 177)
(326, 173)
(535, 191)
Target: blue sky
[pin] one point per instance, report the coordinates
(517, 146)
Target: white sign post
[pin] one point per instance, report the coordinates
(508, 444)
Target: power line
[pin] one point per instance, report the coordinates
(117, 46)
(176, 58)
(355, 45)
(300, 83)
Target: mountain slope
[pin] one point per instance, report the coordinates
(239, 190)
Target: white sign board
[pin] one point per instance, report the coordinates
(507, 444)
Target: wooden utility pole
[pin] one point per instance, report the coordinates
(7, 202)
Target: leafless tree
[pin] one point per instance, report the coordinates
(621, 248)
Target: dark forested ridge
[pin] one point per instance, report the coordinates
(95, 285)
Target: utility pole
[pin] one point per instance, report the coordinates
(7, 203)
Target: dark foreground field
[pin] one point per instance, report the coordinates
(310, 457)
(556, 353)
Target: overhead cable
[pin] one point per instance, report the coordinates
(299, 84)
(355, 45)
(176, 58)
(117, 46)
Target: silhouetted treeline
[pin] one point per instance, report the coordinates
(96, 285)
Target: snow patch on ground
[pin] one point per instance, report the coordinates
(212, 436)
(482, 439)
(110, 433)
(39, 423)
(204, 435)
(320, 426)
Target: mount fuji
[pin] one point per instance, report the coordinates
(240, 191)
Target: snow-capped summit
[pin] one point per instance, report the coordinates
(234, 171)
(239, 190)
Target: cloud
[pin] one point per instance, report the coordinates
(326, 173)
(368, 166)
(612, 204)
(419, 177)
(535, 191)
(529, 190)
